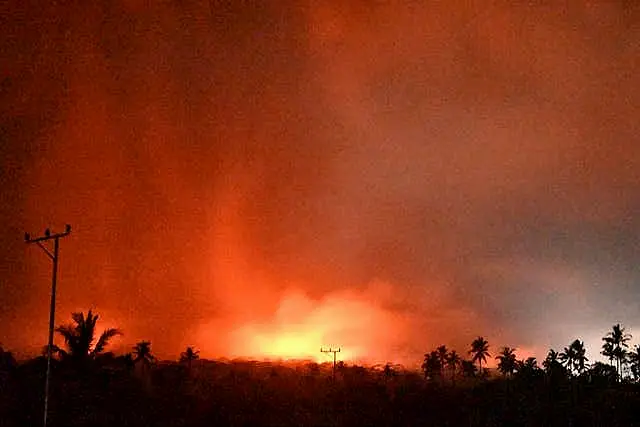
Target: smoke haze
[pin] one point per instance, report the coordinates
(261, 179)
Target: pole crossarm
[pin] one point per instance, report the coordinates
(47, 235)
(28, 238)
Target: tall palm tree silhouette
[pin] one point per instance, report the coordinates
(507, 361)
(426, 364)
(567, 357)
(480, 351)
(80, 336)
(453, 362)
(142, 353)
(634, 361)
(431, 365)
(142, 360)
(615, 345)
(188, 356)
(579, 356)
(528, 368)
(550, 360)
(608, 350)
(551, 363)
(442, 357)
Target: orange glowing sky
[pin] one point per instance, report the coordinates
(260, 179)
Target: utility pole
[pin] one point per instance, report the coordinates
(52, 310)
(330, 350)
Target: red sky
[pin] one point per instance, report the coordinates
(384, 176)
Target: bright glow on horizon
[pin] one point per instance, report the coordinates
(301, 326)
(287, 342)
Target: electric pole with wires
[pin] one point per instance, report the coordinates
(330, 350)
(54, 256)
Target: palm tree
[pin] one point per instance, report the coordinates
(634, 361)
(442, 357)
(468, 368)
(507, 361)
(142, 352)
(580, 357)
(567, 358)
(528, 369)
(431, 365)
(453, 362)
(615, 345)
(142, 361)
(573, 357)
(602, 374)
(620, 354)
(552, 365)
(426, 362)
(550, 361)
(80, 337)
(480, 351)
(188, 356)
(608, 350)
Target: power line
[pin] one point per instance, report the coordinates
(54, 256)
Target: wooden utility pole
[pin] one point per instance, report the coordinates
(330, 350)
(54, 256)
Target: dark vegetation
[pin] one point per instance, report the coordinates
(92, 387)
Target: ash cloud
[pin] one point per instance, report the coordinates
(216, 158)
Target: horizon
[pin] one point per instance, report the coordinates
(119, 346)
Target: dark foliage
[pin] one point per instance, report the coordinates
(136, 389)
(255, 393)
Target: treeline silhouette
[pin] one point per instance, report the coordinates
(93, 387)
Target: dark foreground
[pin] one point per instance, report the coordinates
(117, 393)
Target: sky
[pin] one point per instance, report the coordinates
(259, 179)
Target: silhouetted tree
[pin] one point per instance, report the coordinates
(7, 364)
(442, 357)
(580, 358)
(188, 356)
(551, 361)
(7, 361)
(573, 357)
(634, 362)
(567, 358)
(126, 360)
(387, 371)
(469, 369)
(480, 351)
(143, 359)
(602, 374)
(453, 363)
(79, 337)
(431, 365)
(142, 353)
(615, 345)
(608, 350)
(528, 369)
(552, 366)
(507, 361)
